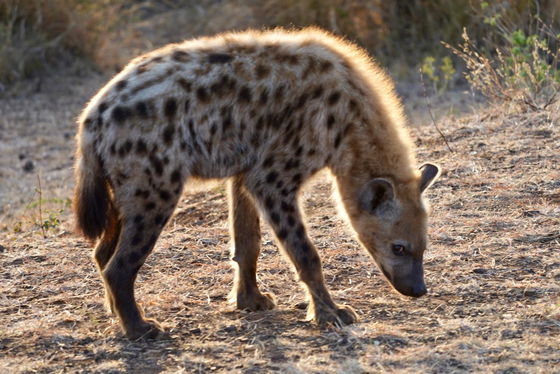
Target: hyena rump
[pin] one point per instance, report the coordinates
(267, 110)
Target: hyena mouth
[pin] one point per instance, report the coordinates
(386, 273)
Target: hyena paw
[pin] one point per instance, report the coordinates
(147, 329)
(255, 302)
(339, 316)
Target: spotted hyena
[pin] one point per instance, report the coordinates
(266, 110)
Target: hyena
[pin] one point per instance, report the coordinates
(266, 110)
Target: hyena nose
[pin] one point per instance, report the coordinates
(419, 290)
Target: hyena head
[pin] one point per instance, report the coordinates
(391, 223)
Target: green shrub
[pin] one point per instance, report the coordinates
(525, 70)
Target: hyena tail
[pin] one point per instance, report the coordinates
(93, 202)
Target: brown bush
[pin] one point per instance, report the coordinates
(35, 34)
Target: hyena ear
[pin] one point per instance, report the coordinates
(377, 195)
(429, 174)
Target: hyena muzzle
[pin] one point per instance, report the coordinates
(266, 110)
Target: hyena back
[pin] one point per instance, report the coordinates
(266, 110)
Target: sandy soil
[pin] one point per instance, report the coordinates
(493, 267)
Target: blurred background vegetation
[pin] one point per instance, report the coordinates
(490, 42)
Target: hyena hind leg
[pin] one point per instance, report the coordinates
(106, 246)
(142, 223)
(246, 234)
(105, 250)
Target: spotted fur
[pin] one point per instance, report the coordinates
(266, 110)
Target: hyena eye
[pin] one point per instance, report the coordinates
(398, 249)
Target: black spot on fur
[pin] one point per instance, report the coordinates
(279, 92)
(180, 56)
(185, 84)
(301, 101)
(145, 249)
(271, 177)
(337, 140)
(157, 164)
(164, 195)
(219, 58)
(141, 109)
(142, 193)
(125, 148)
(102, 107)
(291, 220)
(88, 124)
(202, 95)
(175, 176)
(159, 219)
(245, 95)
(263, 98)
(292, 59)
(227, 122)
(292, 163)
(275, 217)
(286, 207)
(325, 66)
(113, 148)
(333, 98)
(330, 121)
(297, 178)
(282, 234)
(120, 114)
(262, 71)
(121, 85)
(268, 162)
(300, 231)
(137, 238)
(141, 147)
(353, 106)
(269, 203)
(317, 92)
(170, 108)
(150, 206)
(168, 133)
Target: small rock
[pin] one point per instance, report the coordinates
(531, 213)
(480, 271)
(196, 331)
(21, 156)
(2, 248)
(28, 166)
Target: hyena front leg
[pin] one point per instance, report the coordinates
(279, 204)
(246, 235)
(143, 218)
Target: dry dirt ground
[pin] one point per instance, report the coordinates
(493, 267)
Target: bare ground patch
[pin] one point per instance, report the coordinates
(493, 270)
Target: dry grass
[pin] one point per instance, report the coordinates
(493, 271)
(36, 34)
